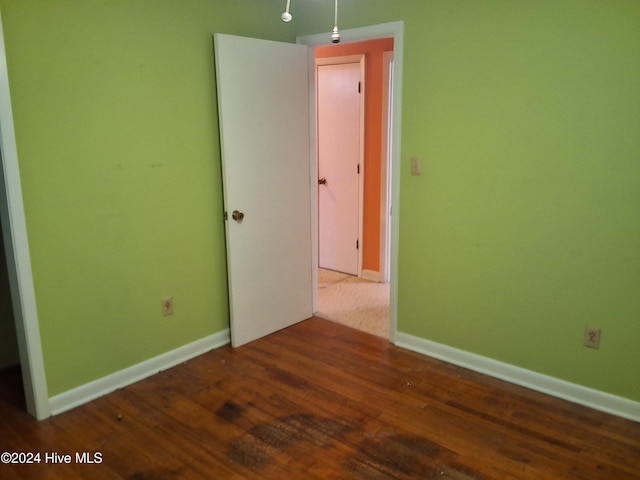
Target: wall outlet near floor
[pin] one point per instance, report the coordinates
(167, 306)
(592, 337)
(416, 166)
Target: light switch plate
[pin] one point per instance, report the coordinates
(167, 306)
(592, 337)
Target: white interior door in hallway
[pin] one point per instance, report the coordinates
(340, 120)
(263, 102)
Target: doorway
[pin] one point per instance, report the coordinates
(360, 299)
(11, 384)
(21, 384)
(8, 340)
(392, 30)
(14, 232)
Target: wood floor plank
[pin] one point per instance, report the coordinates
(321, 401)
(177, 417)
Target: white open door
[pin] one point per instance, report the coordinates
(263, 104)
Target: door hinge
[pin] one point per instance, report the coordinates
(357, 244)
(358, 169)
(359, 87)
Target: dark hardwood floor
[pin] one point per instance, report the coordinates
(320, 401)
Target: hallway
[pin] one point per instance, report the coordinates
(354, 302)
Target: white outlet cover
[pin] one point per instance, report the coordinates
(416, 166)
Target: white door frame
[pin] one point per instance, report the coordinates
(393, 30)
(360, 60)
(14, 232)
(385, 168)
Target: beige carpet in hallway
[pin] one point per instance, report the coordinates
(354, 302)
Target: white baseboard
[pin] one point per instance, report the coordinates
(589, 397)
(90, 391)
(371, 275)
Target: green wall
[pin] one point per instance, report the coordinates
(523, 229)
(116, 126)
(525, 225)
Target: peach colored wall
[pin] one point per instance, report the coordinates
(373, 51)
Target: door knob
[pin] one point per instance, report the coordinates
(237, 215)
(322, 181)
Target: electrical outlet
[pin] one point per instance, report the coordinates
(416, 166)
(167, 306)
(592, 337)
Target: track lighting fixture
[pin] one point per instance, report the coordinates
(335, 34)
(286, 16)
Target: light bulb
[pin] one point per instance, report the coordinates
(335, 36)
(286, 16)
